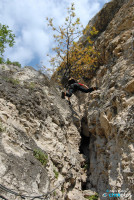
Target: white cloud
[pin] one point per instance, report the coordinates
(27, 19)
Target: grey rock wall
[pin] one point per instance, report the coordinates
(89, 144)
(34, 117)
(110, 109)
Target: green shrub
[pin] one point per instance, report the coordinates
(86, 166)
(12, 80)
(1, 127)
(31, 85)
(42, 157)
(3, 67)
(15, 81)
(54, 193)
(6, 37)
(62, 190)
(93, 197)
(8, 62)
(1, 60)
(16, 64)
(56, 173)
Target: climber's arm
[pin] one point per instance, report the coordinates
(85, 86)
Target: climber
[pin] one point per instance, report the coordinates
(75, 86)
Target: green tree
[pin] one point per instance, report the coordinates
(71, 56)
(6, 37)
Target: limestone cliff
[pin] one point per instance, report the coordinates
(34, 119)
(109, 111)
(52, 150)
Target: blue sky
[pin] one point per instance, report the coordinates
(27, 20)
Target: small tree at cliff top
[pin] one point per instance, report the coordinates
(72, 58)
(6, 37)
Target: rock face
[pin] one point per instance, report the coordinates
(35, 121)
(110, 110)
(50, 150)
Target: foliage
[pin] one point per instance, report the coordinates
(1, 60)
(16, 64)
(12, 80)
(62, 189)
(1, 127)
(54, 193)
(72, 57)
(42, 157)
(6, 37)
(56, 173)
(86, 166)
(93, 197)
(31, 85)
(3, 67)
(8, 62)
